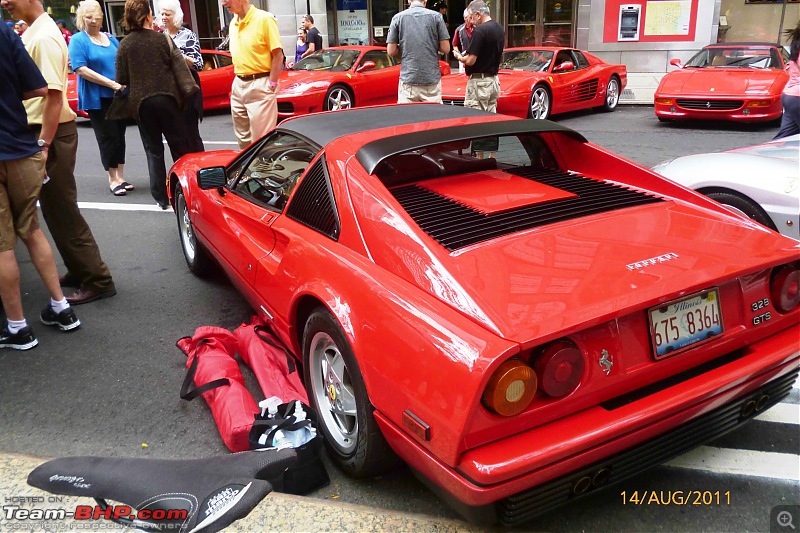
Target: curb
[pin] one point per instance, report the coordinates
(277, 512)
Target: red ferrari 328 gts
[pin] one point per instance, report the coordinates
(539, 82)
(522, 328)
(215, 80)
(741, 82)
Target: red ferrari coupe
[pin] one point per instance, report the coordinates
(215, 79)
(727, 81)
(539, 82)
(523, 323)
(340, 78)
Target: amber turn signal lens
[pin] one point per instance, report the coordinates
(785, 288)
(758, 103)
(511, 388)
(665, 101)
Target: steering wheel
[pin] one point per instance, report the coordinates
(305, 154)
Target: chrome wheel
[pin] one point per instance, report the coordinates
(540, 103)
(332, 389)
(338, 98)
(185, 228)
(612, 94)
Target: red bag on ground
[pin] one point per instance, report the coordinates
(216, 376)
(276, 368)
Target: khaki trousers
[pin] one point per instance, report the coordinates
(254, 109)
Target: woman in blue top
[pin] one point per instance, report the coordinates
(92, 54)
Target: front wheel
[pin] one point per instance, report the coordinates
(539, 107)
(338, 97)
(612, 94)
(336, 390)
(745, 206)
(196, 258)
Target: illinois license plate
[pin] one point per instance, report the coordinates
(681, 323)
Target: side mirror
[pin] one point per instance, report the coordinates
(566, 65)
(211, 178)
(366, 65)
(675, 62)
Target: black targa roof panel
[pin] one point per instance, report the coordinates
(326, 127)
(371, 154)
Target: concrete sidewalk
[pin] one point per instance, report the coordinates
(277, 512)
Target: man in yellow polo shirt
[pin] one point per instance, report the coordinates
(255, 47)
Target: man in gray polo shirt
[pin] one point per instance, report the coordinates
(417, 35)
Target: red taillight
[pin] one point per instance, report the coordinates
(560, 369)
(785, 288)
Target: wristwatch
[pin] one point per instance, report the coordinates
(42, 143)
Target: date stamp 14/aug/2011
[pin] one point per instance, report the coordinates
(676, 497)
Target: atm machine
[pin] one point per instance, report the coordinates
(630, 18)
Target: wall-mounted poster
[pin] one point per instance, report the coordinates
(353, 22)
(668, 18)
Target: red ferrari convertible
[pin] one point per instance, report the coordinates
(215, 79)
(728, 81)
(340, 78)
(523, 323)
(539, 82)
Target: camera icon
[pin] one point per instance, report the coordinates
(784, 519)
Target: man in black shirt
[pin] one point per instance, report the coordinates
(313, 36)
(482, 59)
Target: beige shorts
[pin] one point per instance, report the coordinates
(20, 184)
(419, 93)
(482, 93)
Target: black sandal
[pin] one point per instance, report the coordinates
(128, 186)
(119, 190)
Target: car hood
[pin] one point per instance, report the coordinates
(571, 275)
(304, 80)
(708, 82)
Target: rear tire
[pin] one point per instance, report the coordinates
(336, 390)
(745, 206)
(197, 258)
(612, 94)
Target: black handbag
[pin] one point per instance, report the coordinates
(184, 80)
(309, 473)
(120, 108)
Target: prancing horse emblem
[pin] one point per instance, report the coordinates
(606, 362)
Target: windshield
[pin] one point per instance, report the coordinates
(329, 59)
(735, 57)
(531, 60)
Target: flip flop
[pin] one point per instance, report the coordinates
(128, 186)
(119, 190)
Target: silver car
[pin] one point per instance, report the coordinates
(761, 181)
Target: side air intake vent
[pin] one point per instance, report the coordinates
(313, 203)
(455, 225)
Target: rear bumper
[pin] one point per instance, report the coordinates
(533, 471)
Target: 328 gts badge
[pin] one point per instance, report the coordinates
(756, 307)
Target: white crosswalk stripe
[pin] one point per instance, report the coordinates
(741, 462)
(784, 413)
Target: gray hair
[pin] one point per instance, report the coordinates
(175, 7)
(83, 8)
(478, 6)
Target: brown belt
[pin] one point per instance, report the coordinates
(482, 75)
(251, 77)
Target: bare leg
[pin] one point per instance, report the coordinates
(42, 257)
(9, 285)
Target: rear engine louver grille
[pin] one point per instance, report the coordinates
(714, 105)
(459, 103)
(455, 225)
(313, 205)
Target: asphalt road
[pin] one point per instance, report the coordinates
(111, 388)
